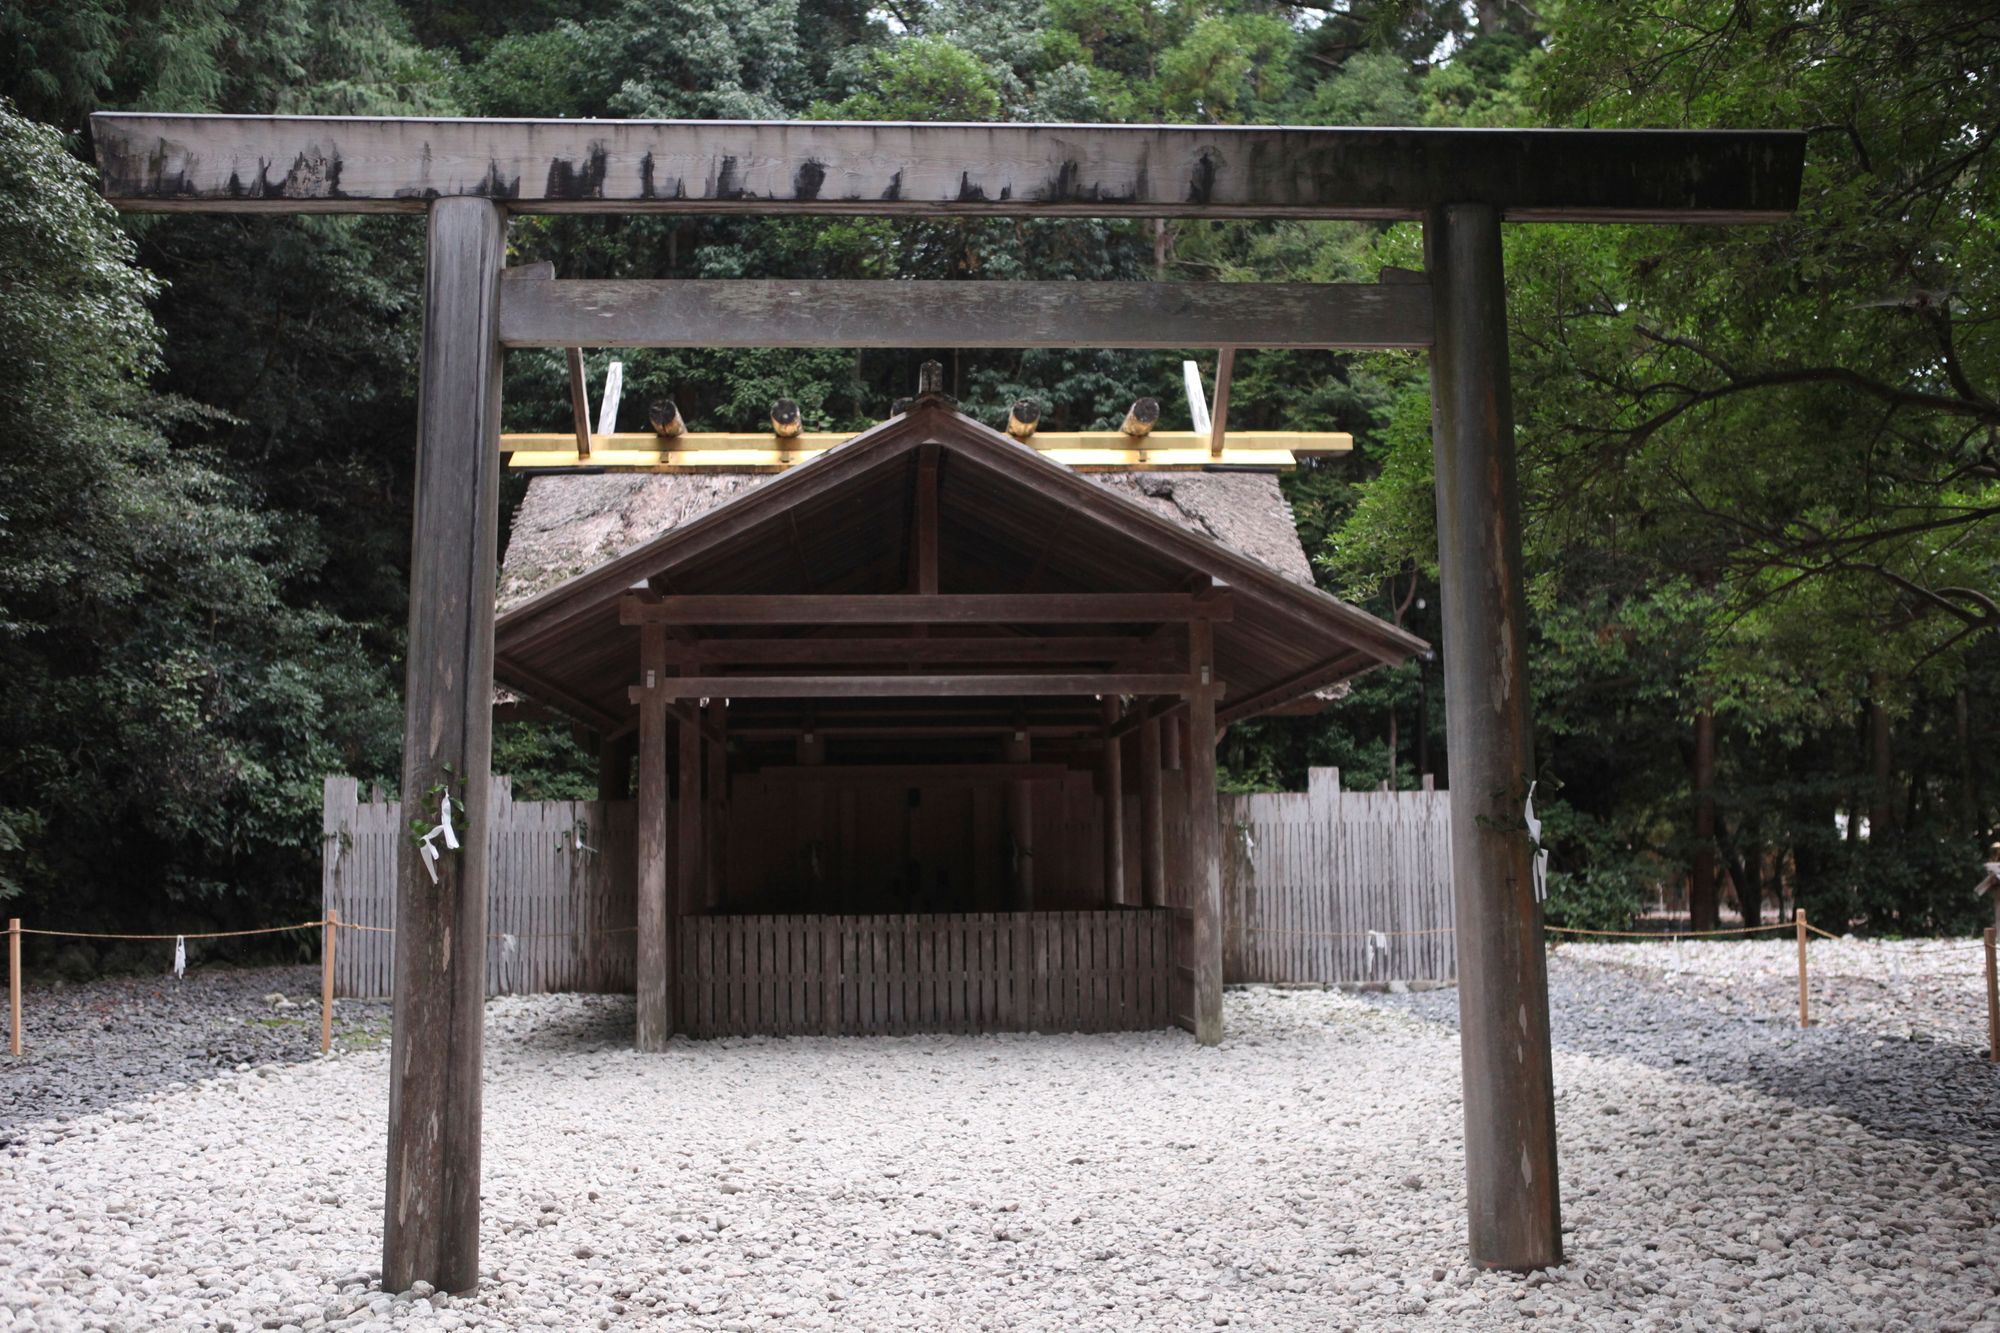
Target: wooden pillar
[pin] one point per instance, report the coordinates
(690, 895)
(431, 1219)
(1205, 836)
(655, 1003)
(1016, 749)
(1114, 805)
(1514, 1212)
(1152, 815)
(716, 820)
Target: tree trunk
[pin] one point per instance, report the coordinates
(1702, 913)
(1881, 804)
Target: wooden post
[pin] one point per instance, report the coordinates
(1020, 824)
(431, 1230)
(689, 846)
(1152, 815)
(1205, 835)
(614, 767)
(1799, 920)
(1514, 1215)
(655, 1000)
(326, 980)
(1992, 1003)
(716, 818)
(14, 980)
(1114, 805)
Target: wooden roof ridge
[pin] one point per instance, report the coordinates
(933, 421)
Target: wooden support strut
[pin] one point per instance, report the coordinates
(1152, 813)
(1114, 806)
(917, 609)
(655, 996)
(431, 1227)
(1512, 1198)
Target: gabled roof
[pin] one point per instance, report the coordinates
(1011, 520)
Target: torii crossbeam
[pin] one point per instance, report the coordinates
(467, 175)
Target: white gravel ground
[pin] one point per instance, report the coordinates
(1306, 1175)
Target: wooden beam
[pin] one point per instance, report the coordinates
(1084, 451)
(915, 774)
(431, 1216)
(654, 985)
(868, 312)
(1132, 651)
(715, 818)
(1204, 839)
(1018, 749)
(520, 678)
(1512, 1196)
(357, 164)
(1285, 691)
(938, 609)
(915, 687)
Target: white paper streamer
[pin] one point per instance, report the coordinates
(1541, 852)
(1197, 397)
(614, 386)
(180, 955)
(1377, 943)
(444, 821)
(510, 947)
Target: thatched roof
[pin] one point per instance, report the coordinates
(567, 525)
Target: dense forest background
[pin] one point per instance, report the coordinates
(1759, 463)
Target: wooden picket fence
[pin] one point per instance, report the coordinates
(918, 972)
(1337, 887)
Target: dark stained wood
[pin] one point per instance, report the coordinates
(1129, 650)
(1072, 608)
(1291, 688)
(1113, 775)
(1513, 1205)
(925, 528)
(690, 889)
(715, 875)
(747, 312)
(614, 766)
(655, 1002)
(579, 400)
(431, 1226)
(918, 687)
(291, 164)
(907, 775)
(1152, 813)
(1018, 748)
(1205, 837)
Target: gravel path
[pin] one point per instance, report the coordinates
(102, 1043)
(1306, 1175)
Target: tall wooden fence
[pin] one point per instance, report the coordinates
(560, 914)
(1332, 886)
(1318, 886)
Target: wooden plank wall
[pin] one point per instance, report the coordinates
(561, 908)
(889, 975)
(1332, 886)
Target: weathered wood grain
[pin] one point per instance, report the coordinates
(873, 313)
(1204, 884)
(978, 686)
(655, 1016)
(1512, 1194)
(1058, 608)
(432, 1210)
(336, 164)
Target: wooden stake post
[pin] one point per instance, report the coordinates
(432, 1223)
(1799, 920)
(326, 951)
(1514, 1213)
(1205, 837)
(1992, 1002)
(14, 980)
(655, 946)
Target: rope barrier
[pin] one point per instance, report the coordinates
(1346, 934)
(1668, 934)
(207, 935)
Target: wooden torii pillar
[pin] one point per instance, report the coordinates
(1461, 183)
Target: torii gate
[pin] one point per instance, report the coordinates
(467, 175)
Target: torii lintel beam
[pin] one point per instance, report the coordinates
(341, 164)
